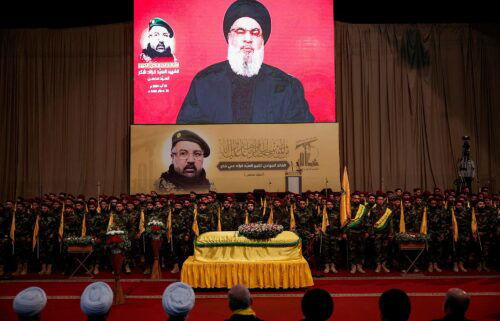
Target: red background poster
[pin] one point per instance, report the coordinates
(301, 44)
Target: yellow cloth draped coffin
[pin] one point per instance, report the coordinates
(223, 259)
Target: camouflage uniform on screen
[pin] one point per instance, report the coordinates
(330, 250)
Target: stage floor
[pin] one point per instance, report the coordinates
(361, 291)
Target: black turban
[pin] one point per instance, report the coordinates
(248, 8)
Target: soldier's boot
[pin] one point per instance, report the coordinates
(2, 271)
(480, 267)
(127, 269)
(332, 268)
(24, 271)
(461, 267)
(353, 269)
(455, 267)
(49, 269)
(430, 269)
(379, 268)
(175, 269)
(327, 268)
(386, 270)
(96, 269)
(43, 270)
(359, 267)
(436, 267)
(147, 270)
(18, 270)
(485, 268)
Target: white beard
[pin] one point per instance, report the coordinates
(245, 64)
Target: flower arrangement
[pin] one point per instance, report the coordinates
(155, 227)
(411, 237)
(117, 241)
(79, 241)
(259, 231)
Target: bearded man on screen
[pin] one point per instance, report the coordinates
(243, 89)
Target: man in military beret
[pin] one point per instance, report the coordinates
(161, 42)
(186, 172)
(242, 89)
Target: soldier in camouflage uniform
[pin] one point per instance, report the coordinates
(281, 215)
(383, 232)
(486, 223)
(254, 214)
(229, 216)
(181, 234)
(330, 249)
(306, 223)
(134, 234)
(5, 242)
(97, 229)
(121, 221)
(72, 227)
(358, 233)
(436, 228)
(463, 218)
(23, 238)
(205, 219)
(47, 238)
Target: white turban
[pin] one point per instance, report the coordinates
(29, 302)
(178, 299)
(96, 299)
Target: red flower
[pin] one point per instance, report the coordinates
(156, 228)
(114, 239)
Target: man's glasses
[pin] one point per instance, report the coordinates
(255, 32)
(184, 154)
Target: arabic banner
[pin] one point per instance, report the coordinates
(233, 158)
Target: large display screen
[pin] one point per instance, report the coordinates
(182, 158)
(219, 62)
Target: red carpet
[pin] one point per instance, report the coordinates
(355, 297)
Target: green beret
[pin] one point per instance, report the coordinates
(186, 135)
(162, 23)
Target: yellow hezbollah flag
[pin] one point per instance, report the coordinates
(264, 207)
(35, 232)
(246, 217)
(13, 225)
(219, 225)
(423, 226)
(61, 223)
(402, 224)
(455, 224)
(84, 222)
(292, 219)
(142, 219)
(271, 217)
(345, 200)
(169, 224)
(111, 220)
(195, 222)
(324, 221)
(474, 223)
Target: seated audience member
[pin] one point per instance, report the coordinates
(29, 304)
(178, 300)
(317, 305)
(456, 303)
(240, 303)
(96, 301)
(394, 305)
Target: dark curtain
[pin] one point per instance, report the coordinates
(405, 96)
(65, 109)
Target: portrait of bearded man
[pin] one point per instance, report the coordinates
(160, 42)
(243, 89)
(186, 173)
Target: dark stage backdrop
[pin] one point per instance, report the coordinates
(405, 96)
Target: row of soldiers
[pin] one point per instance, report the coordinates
(456, 226)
